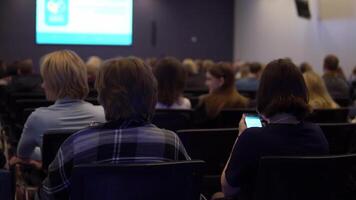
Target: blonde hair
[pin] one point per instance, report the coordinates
(93, 63)
(319, 97)
(65, 75)
(126, 88)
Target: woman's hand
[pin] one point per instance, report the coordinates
(242, 125)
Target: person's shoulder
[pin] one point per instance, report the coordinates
(253, 133)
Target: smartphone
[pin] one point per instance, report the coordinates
(252, 120)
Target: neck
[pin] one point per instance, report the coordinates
(283, 118)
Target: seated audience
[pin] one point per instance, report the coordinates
(334, 81)
(195, 78)
(222, 92)
(319, 97)
(128, 92)
(65, 82)
(171, 78)
(283, 102)
(25, 80)
(92, 64)
(251, 81)
(305, 67)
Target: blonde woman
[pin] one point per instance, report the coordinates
(65, 82)
(319, 97)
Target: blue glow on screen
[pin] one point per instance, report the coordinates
(84, 22)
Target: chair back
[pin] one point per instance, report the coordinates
(211, 145)
(172, 119)
(52, 140)
(337, 115)
(307, 178)
(6, 186)
(341, 137)
(166, 180)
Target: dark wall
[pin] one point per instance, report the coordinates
(176, 22)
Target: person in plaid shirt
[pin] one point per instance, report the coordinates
(127, 90)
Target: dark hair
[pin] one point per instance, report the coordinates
(331, 62)
(282, 90)
(305, 67)
(126, 88)
(25, 67)
(171, 78)
(255, 67)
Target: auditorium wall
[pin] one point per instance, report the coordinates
(185, 28)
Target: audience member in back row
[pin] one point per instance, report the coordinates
(25, 80)
(319, 97)
(251, 81)
(335, 83)
(283, 102)
(65, 82)
(171, 78)
(92, 64)
(222, 93)
(128, 92)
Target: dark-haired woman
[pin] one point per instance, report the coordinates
(282, 100)
(171, 78)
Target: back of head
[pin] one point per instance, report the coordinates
(93, 64)
(190, 66)
(282, 90)
(65, 75)
(25, 67)
(255, 68)
(171, 78)
(126, 88)
(331, 63)
(305, 67)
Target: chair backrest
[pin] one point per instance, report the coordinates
(166, 180)
(341, 137)
(338, 115)
(172, 119)
(51, 142)
(344, 102)
(211, 145)
(307, 178)
(6, 185)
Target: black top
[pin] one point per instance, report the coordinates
(2, 159)
(303, 139)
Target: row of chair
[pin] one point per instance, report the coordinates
(279, 178)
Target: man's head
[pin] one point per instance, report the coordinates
(331, 63)
(126, 88)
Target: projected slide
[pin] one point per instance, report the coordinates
(84, 22)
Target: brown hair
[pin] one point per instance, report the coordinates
(226, 96)
(331, 62)
(126, 88)
(171, 78)
(282, 90)
(65, 75)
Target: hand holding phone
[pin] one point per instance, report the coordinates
(253, 120)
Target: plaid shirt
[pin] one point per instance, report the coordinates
(117, 142)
